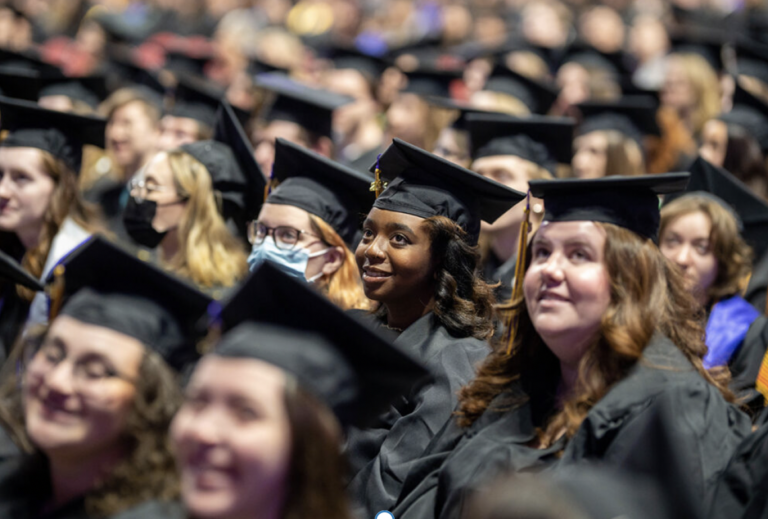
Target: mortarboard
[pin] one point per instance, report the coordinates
(618, 63)
(310, 108)
(460, 123)
(233, 170)
(424, 185)
(196, 99)
(750, 113)
(184, 63)
(537, 96)
(629, 202)
(634, 116)
(351, 58)
(13, 272)
(708, 45)
(108, 287)
(257, 66)
(542, 140)
(22, 74)
(430, 82)
(751, 210)
(90, 90)
(337, 194)
(125, 71)
(333, 355)
(752, 59)
(60, 134)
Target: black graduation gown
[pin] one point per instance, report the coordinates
(462, 461)
(13, 315)
(707, 428)
(742, 492)
(383, 455)
(496, 271)
(757, 290)
(155, 510)
(745, 365)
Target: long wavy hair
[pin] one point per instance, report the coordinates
(65, 202)
(463, 301)
(148, 470)
(209, 254)
(647, 295)
(344, 287)
(317, 467)
(734, 256)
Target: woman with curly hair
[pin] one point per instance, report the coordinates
(418, 258)
(602, 333)
(90, 398)
(703, 235)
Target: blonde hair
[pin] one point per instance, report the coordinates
(208, 254)
(343, 287)
(734, 256)
(706, 89)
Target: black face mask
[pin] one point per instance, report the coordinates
(137, 219)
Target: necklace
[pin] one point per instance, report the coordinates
(388, 327)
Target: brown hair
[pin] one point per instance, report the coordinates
(65, 202)
(148, 471)
(623, 155)
(124, 96)
(705, 86)
(744, 159)
(317, 468)
(343, 287)
(209, 254)
(463, 301)
(734, 256)
(647, 295)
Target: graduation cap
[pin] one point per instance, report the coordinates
(11, 270)
(635, 117)
(233, 170)
(184, 63)
(537, 96)
(320, 186)
(22, 74)
(542, 140)
(257, 66)
(310, 108)
(460, 123)
(751, 210)
(106, 286)
(629, 202)
(618, 63)
(708, 45)
(425, 185)
(750, 113)
(336, 357)
(752, 59)
(90, 90)
(430, 82)
(60, 134)
(196, 99)
(125, 71)
(351, 58)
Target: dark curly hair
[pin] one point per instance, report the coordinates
(648, 294)
(148, 471)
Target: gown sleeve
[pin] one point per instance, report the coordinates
(377, 486)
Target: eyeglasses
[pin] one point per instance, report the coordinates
(285, 237)
(140, 190)
(88, 373)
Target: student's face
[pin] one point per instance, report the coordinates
(25, 190)
(407, 118)
(567, 287)
(59, 103)
(513, 172)
(264, 141)
(160, 188)
(131, 135)
(686, 243)
(395, 258)
(714, 142)
(677, 91)
(451, 145)
(280, 215)
(591, 157)
(232, 438)
(176, 131)
(78, 389)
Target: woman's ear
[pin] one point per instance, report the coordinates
(334, 259)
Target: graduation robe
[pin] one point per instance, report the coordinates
(709, 427)
(383, 455)
(757, 290)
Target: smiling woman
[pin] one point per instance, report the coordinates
(418, 258)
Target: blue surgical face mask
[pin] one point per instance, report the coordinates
(292, 262)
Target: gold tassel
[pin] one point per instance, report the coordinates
(270, 183)
(377, 186)
(517, 288)
(56, 292)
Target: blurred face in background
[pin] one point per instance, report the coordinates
(131, 135)
(714, 142)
